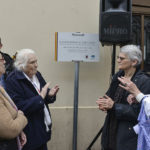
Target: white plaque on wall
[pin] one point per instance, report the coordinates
(77, 47)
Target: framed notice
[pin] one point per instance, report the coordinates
(76, 47)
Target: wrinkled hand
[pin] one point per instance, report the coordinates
(23, 139)
(105, 103)
(129, 86)
(131, 99)
(53, 91)
(44, 90)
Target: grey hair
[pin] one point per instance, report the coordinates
(22, 58)
(133, 53)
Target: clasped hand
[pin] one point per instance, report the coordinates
(53, 91)
(105, 103)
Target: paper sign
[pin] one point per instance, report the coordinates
(76, 47)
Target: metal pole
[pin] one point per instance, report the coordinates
(95, 138)
(75, 118)
(113, 60)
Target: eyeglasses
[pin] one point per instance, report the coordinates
(121, 58)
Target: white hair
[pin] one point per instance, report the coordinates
(133, 53)
(22, 58)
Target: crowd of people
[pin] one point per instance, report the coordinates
(27, 122)
(25, 95)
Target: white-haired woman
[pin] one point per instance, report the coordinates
(31, 94)
(118, 133)
(12, 120)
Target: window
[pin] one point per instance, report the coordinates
(141, 29)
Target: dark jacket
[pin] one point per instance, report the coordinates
(9, 144)
(31, 103)
(125, 114)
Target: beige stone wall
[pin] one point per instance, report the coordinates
(89, 124)
(32, 24)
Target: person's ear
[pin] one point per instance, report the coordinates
(134, 62)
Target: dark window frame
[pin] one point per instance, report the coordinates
(141, 8)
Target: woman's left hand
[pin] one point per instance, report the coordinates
(23, 139)
(53, 91)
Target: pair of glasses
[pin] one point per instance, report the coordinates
(121, 58)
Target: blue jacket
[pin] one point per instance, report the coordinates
(31, 103)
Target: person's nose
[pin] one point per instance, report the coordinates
(118, 61)
(36, 64)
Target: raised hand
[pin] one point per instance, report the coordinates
(53, 91)
(129, 86)
(44, 90)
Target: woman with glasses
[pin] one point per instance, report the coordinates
(12, 120)
(118, 133)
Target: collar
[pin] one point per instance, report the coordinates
(20, 75)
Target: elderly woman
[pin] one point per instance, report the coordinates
(31, 94)
(118, 133)
(12, 120)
